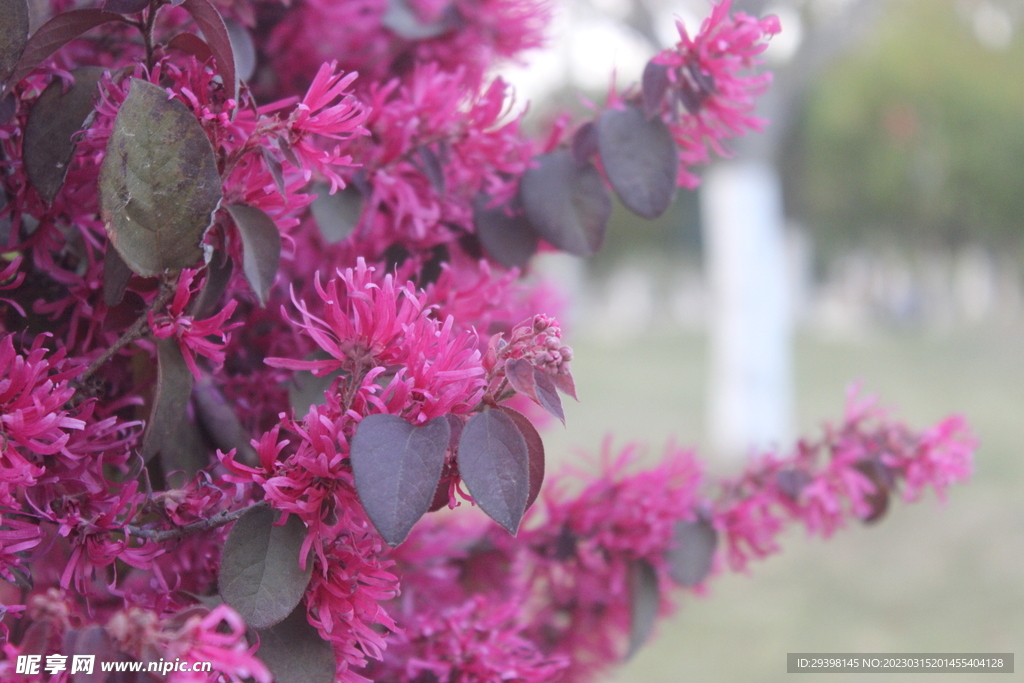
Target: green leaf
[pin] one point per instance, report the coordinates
(396, 466)
(294, 651)
(640, 159)
(159, 185)
(644, 601)
(261, 247)
(494, 461)
(566, 203)
(173, 391)
(260, 575)
(13, 35)
(55, 118)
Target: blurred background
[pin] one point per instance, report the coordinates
(886, 204)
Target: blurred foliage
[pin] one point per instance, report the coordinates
(916, 137)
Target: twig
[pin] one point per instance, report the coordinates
(134, 332)
(218, 520)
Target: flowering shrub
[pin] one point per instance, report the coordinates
(261, 315)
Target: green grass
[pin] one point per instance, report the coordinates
(930, 577)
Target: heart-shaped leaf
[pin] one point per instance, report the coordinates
(294, 651)
(170, 399)
(159, 185)
(211, 23)
(566, 203)
(692, 552)
(261, 247)
(644, 601)
(13, 35)
(337, 215)
(506, 236)
(260, 576)
(535, 447)
(396, 467)
(494, 462)
(55, 118)
(55, 34)
(639, 157)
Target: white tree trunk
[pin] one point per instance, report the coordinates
(750, 402)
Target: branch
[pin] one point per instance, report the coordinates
(134, 332)
(218, 520)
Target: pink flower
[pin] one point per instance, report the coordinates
(193, 336)
(711, 94)
(328, 110)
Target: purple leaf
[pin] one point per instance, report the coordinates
(8, 106)
(396, 467)
(401, 19)
(792, 482)
(654, 84)
(337, 215)
(191, 44)
(116, 274)
(220, 423)
(261, 247)
(218, 275)
(878, 500)
(547, 394)
(565, 384)
(260, 576)
(566, 204)
(431, 167)
(211, 23)
(243, 48)
(693, 550)
(494, 462)
(276, 171)
(13, 36)
(92, 640)
(159, 184)
(294, 651)
(55, 118)
(639, 157)
(584, 143)
(125, 6)
(55, 34)
(644, 602)
(535, 447)
(506, 236)
(170, 399)
(520, 376)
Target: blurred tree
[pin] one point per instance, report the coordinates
(917, 137)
